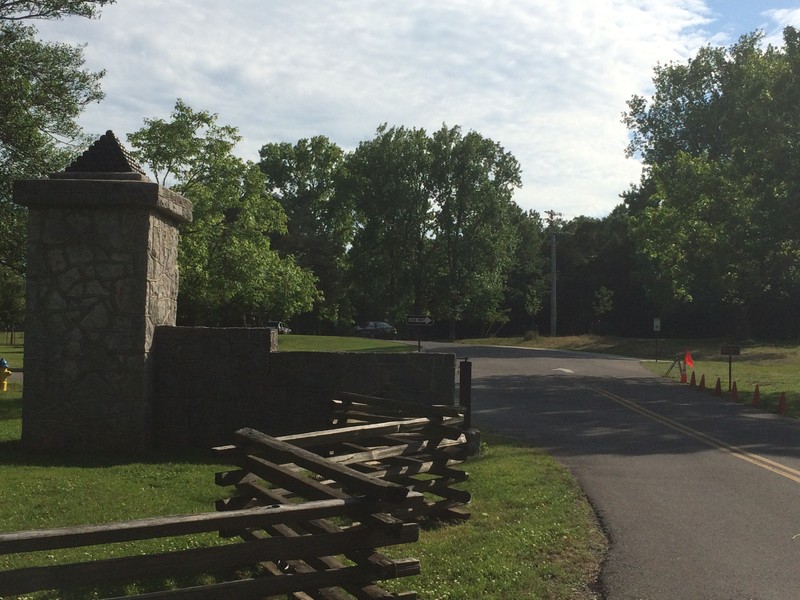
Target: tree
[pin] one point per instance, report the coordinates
(390, 262)
(717, 209)
(526, 285)
(471, 184)
(435, 229)
(303, 178)
(229, 272)
(44, 88)
(18, 10)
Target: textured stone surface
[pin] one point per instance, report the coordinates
(106, 370)
(102, 275)
(211, 382)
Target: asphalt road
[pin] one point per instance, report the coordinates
(699, 496)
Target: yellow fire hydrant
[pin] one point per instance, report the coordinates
(4, 375)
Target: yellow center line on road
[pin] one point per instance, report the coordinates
(740, 453)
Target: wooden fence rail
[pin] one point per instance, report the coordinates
(411, 446)
(313, 532)
(304, 516)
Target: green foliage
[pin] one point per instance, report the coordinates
(471, 184)
(44, 88)
(386, 181)
(229, 272)
(303, 178)
(12, 299)
(526, 287)
(435, 228)
(716, 212)
(17, 10)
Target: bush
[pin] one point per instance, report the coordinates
(530, 335)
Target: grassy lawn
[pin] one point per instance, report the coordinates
(332, 343)
(13, 354)
(532, 534)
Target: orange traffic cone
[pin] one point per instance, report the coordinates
(734, 393)
(692, 381)
(702, 381)
(718, 388)
(756, 396)
(782, 404)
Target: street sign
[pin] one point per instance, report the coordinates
(418, 320)
(657, 324)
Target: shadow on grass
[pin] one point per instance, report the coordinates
(12, 453)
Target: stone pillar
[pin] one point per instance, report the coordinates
(102, 275)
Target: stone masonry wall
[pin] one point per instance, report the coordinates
(90, 324)
(102, 275)
(211, 382)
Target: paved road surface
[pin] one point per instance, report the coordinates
(700, 497)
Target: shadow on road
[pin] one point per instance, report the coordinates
(571, 416)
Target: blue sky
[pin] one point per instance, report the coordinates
(547, 80)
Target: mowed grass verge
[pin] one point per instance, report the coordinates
(532, 533)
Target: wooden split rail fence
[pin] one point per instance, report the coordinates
(306, 517)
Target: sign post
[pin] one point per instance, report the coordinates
(730, 351)
(415, 321)
(657, 330)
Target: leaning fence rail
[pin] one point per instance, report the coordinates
(304, 516)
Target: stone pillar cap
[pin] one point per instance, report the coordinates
(106, 155)
(105, 176)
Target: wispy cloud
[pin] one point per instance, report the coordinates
(548, 80)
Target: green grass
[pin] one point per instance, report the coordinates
(771, 367)
(644, 348)
(332, 343)
(13, 354)
(56, 490)
(532, 533)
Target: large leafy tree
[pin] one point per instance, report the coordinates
(599, 286)
(471, 184)
(435, 224)
(390, 261)
(526, 286)
(44, 87)
(303, 178)
(718, 208)
(229, 272)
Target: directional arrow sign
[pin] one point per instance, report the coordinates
(418, 320)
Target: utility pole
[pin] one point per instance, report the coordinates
(552, 219)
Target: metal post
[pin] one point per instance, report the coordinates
(552, 220)
(465, 391)
(730, 371)
(553, 303)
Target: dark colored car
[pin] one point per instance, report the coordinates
(376, 329)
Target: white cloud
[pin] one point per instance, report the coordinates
(548, 80)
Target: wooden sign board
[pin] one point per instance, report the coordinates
(730, 351)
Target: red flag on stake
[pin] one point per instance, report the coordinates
(687, 360)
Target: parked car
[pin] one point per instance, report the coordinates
(279, 326)
(376, 329)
